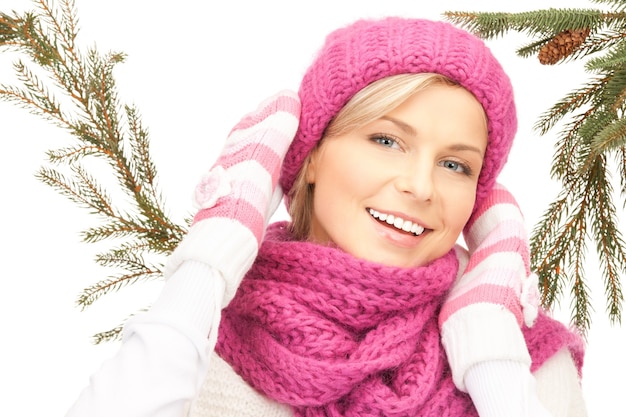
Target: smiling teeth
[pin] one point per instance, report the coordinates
(397, 222)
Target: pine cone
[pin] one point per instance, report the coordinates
(562, 46)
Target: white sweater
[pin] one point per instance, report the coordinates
(166, 366)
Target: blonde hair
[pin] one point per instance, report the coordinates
(369, 104)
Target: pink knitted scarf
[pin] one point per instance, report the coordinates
(331, 335)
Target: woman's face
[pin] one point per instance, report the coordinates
(399, 190)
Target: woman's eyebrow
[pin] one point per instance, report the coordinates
(408, 129)
(466, 147)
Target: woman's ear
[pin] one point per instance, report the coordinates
(311, 165)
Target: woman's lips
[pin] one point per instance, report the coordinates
(394, 231)
(397, 222)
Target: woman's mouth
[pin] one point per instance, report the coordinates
(397, 222)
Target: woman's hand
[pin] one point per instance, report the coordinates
(497, 241)
(496, 294)
(239, 194)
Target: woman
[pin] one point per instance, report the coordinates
(403, 129)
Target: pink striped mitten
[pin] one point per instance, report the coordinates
(239, 194)
(482, 317)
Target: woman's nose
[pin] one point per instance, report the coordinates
(416, 180)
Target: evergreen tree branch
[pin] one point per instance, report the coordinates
(621, 166)
(568, 104)
(540, 23)
(618, 5)
(567, 147)
(609, 241)
(80, 189)
(73, 155)
(88, 107)
(611, 138)
(594, 130)
(599, 42)
(545, 259)
(92, 293)
(111, 335)
(577, 253)
(117, 229)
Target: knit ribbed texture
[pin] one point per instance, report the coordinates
(192, 281)
(331, 335)
(225, 394)
(478, 318)
(250, 164)
(238, 195)
(500, 262)
(369, 50)
(482, 332)
(509, 382)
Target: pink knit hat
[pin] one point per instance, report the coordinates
(368, 50)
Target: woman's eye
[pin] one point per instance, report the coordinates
(386, 141)
(456, 167)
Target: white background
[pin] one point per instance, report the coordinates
(193, 69)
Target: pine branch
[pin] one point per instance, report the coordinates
(111, 335)
(78, 93)
(618, 5)
(117, 229)
(34, 96)
(610, 138)
(82, 189)
(115, 283)
(620, 158)
(594, 130)
(567, 147)
(545, 260)
(599, 42)
(609, 241)
(539, 23)
(573, 101)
